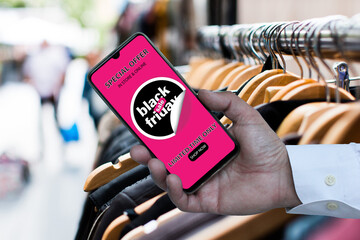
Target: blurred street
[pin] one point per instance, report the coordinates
(51, 203)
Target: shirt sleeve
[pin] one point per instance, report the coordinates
(326, 179)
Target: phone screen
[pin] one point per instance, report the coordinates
(142, 88)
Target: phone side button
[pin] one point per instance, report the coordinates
(198, 151)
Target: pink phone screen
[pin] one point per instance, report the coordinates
(162, 111)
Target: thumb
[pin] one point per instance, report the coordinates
(230, 104)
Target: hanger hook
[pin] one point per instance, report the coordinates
(261, 50)
(301, 26)
(317, 51)
(292, 36)
(251, 44)
(263, 36)
(317, 40)
(268, 37)
(232, 42)
(226, 33)
(241, 49)
(247, 44)
(271, 43)
(308, 37)
(242, 45)
(261, 39)
(312, 29)
(278, 45)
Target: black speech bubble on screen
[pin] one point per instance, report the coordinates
(158, 93)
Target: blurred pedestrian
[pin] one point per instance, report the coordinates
(45, 70)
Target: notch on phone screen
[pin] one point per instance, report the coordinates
(116, 55)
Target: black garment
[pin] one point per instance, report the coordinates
(161, 206)
(129, 198)
(275, 112)
(120, 139)
(87, 218)
(355, 91)
(185, 224)
(105, 193)
(269, 62)
(116, 153)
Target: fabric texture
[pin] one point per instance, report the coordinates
(117, 144)
(105, 193)
(184, 224)
(129, 198)
(98, 198)
(161, 206)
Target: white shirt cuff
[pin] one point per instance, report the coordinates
(326, 179)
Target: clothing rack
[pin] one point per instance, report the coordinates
(333, 37)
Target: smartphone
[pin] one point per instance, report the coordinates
(151, 98)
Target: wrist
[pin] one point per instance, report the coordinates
(289, 197)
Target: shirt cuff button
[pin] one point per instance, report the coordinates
(332, 206)
(330, 180)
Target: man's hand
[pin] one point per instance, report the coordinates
(258, 179)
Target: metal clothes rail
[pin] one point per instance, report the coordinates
(335, 37)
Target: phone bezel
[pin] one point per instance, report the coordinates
(213, 170)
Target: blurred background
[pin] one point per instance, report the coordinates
(49, 114)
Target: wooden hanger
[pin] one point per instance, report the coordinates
(203, 72)
(293, 120)
(232, 75)
(250, 86)
(315, 91)
(346, 129)
(245, 227)
(194, 64)
(225, 120)
(108, 171)
(270, 92)
(218, 76)
(194, 70)
(113, 231)
(311, 116)
(321, 125)
(257, 97)
(244, 76)
(253, 83)
(286, 89)
(141, 230)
